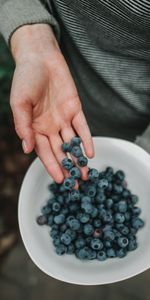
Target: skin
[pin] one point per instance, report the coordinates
(44, 100)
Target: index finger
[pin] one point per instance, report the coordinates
(81, 127)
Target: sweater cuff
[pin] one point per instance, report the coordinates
(144, 140)
(14, 14)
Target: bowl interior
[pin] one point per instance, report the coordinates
(119, 154)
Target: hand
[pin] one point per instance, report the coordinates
(46, 107)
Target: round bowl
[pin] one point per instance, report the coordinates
(120, 154)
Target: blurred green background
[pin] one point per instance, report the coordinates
(6, 72)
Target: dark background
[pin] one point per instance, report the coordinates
(19, 278)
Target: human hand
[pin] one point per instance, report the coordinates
(46, 107)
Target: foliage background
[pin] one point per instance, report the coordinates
(13, 162)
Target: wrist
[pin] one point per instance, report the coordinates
(29, 40)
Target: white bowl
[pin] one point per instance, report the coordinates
(119, 154)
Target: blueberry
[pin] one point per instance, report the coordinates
(124, 230)
(75, 141)
(75, 172)
(121, 252)
(91, 254)
(63, 227)
(53, 187)
(103, 183)
(54, 227)
(107, 218)
(136, 210)
(137, 223)
(108, 244)
(72, 233)
(97, 233)
(59, 219)
(109, 170)
(62, 189)
(76, 151)
(127, 216)
(88, 229)
(65, 238)
(73, 207)
(60, 199)
(65, 211)
(119, 218)
(116, 233)
(80, 243)
(122, 206)
(120, 175)
(50, 220)
(100, 197)
(107, 227)
(46, 210)
(93, 174)
(132, 245)
(87, 207)
(67, 163)
(126, 193)
(96, 244)
(74, 224)
(134, 199)
(117, 188)
(102, 213)
(88, 240)
(109, 235)
(82, 161)
(66, 147)
(61, 249)
(84, 218)
(101, 255)
(97, 223)
(56, 241)
(83, 253)
(75, 195)
(70, 249)
(56, 206)
(53, 233)
(110, 252)
(94, 212)
(41, 220)
(123, 241)
(69, 183)
(85, 199)
(91, 191)
(109, 203)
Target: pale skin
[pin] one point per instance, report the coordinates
(44, 100)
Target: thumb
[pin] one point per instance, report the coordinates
(22, 114)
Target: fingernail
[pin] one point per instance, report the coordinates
(24, 146)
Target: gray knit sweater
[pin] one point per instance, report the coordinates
(107, 48)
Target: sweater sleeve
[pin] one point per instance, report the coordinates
(144, 139)
(16, 13)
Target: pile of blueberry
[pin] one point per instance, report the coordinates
(100, 219)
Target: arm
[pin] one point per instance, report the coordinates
(44, 100)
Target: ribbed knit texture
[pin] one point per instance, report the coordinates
(14, 14)
(106, 44)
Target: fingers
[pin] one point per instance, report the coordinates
(44, 151)
(67, 135)
(22, 113)
(56, 142)
(81, 127)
